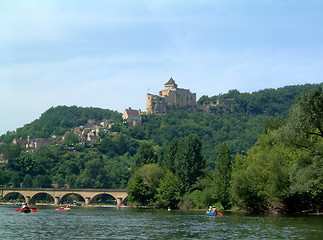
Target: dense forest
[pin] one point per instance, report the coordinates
(261, 153)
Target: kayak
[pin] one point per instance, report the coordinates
(25, 210)
(211, 213)
(63, 209)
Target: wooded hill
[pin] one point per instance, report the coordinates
(238, 125)
(121, 151)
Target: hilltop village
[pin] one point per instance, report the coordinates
(171, 98)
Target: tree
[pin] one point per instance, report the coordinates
(42, 181)
(2, 177)
(248, 185)
(120, 144)
(138, 192)
(189, 163)
(145, 179)
(305, 127)
(170, 155)
(151, 175)
(27, 182)
(223, 169)
(304, 131)
(15, 179)
(204, 100)
(169, 191)
(107, 146)
(25, 163)
(94, 175)
(59, 180)
(273, 124)
(71, 139)
(145, 155)
(309, 113)
(284, 168)
(11, 152)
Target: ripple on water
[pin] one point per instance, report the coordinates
(106, 223)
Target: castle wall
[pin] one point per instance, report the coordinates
(155, 104)
(171, 96)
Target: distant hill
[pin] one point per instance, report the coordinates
(58, 120)
(270, 102)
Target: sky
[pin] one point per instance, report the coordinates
(111, 53)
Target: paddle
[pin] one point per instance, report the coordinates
(34, 209)
(220, 213)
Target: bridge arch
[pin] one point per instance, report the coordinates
(125, 200)
(65, 196)
(105, 196)
(7, 196)
(33, 198)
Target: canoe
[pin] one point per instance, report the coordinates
(63, 209)
(211, 214)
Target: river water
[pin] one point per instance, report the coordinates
(130, 223)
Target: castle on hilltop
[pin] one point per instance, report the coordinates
(170, 98)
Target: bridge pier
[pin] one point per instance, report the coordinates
(56, 199)
(119, 201)
(27, 198)
(87, 201)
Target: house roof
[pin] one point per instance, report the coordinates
(132, 113)
(170, 82)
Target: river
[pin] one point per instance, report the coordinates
(130, 223)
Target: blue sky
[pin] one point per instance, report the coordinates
(110, 54)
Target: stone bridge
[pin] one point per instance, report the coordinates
(89, 195)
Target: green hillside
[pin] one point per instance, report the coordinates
(121, 151)
(58, 120)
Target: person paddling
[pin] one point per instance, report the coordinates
(25, 207)
(214, 210)
(210, 209)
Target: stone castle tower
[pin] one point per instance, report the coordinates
(171, 97)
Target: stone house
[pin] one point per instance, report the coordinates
(23, 142)
(132, 117)
(104, 123)
(35, 145)
(31, 144)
